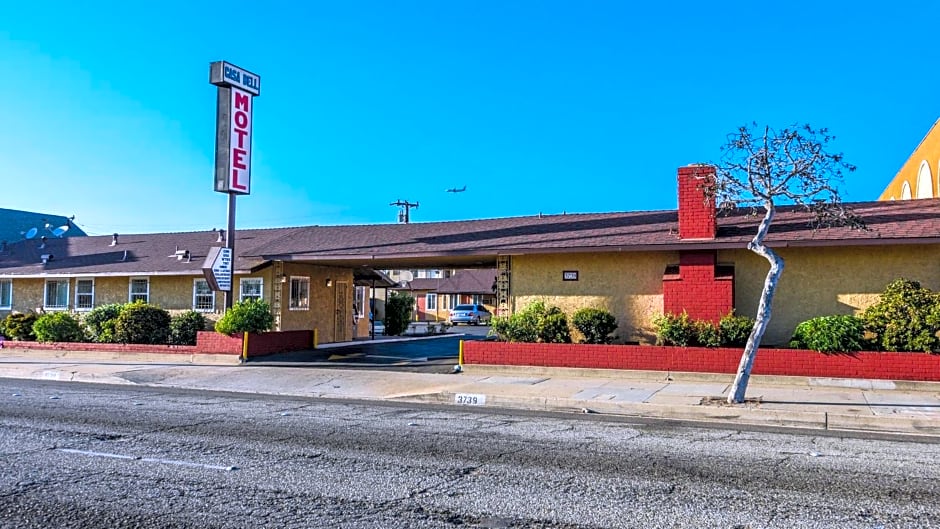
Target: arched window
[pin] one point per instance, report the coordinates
(924, 181)
(905, 191)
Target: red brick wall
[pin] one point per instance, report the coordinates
(697, 291)
(207, 342)
(279, 342)
(104, 347)
(696, 217)
(786, 362)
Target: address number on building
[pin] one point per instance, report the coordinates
(470, 399)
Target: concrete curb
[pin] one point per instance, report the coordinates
(685, 376)
(713, 414)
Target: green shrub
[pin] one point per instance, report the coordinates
(706, 334)
(398, 313)
(675, 329)
(250, 315)
(99, 322)
(553, 327)
(735, 330)
(534, 323)
(58, 327)
(830, 334)
(595, 324)
(142, 323)
(905, 318)
(19, 326)
(184, 327)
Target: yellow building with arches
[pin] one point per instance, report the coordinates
(918, 177)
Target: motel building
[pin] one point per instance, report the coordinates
(635, 264)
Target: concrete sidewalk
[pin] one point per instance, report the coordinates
(829, 404)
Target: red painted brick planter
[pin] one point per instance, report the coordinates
(786, 362)
(207, 342)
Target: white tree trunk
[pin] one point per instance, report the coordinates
(739, 387)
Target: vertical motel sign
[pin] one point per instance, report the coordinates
(237, 89)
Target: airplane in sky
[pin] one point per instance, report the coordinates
(455, 190)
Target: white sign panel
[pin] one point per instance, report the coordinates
(218, 268)
(240, 146)
(226, 74)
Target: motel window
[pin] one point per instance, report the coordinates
(203, 296)
(250, 288)
(430, 302)
(299, 293)
(360, 302)
(57, 294)
(475, 299)
(6, 293)
(139, 290)
(84, 294)
(452, 301)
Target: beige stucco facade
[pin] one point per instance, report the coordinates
(629, 285)
(328, 309)
(815, 282)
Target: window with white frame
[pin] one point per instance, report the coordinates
(452, 301)
(250, 288)
(56, 296)
(203, 296)
(360, 302)
(84, 294)
(299, 293)
(6, 293)
(430, 302)
(139, 290)
(475, 299)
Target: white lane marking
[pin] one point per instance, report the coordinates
(146, 459)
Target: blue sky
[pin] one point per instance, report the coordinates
(106, 112)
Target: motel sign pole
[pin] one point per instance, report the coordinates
(237, 89)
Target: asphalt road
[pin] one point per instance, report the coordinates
(85, 456)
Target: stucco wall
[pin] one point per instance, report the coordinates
(815, 282)
(321, 314)
(629, 285)
(825, 281)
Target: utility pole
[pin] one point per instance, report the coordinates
(404, 214)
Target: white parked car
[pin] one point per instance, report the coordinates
(379, 328)
(470, 314)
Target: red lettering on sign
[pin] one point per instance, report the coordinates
(238, 159)
(241, 138)
(242, 101)
(241, 120)
(235, 183)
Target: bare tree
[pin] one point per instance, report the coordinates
(761, 168)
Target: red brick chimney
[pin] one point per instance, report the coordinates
(696, 209)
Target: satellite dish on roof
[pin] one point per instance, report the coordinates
(406, 275)
(60, 231)
(31, 233)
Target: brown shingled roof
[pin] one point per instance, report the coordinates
(464, 244)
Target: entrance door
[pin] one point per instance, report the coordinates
(342, 328)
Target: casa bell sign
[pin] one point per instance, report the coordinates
(234, 108)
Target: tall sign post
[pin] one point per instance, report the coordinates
(234, 106)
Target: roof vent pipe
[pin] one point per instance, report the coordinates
(114, 239)
(221, 236)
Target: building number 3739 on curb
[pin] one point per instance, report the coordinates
(470, 399)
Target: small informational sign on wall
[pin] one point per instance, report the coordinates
(569, 275)
(217, 268)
